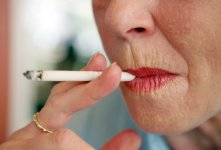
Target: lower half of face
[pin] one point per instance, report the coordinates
(169, 95)
(177, 68)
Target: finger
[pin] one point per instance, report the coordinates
(59, 109)
(126, 140)
(62, 106)
(62, 139)
(96, 63)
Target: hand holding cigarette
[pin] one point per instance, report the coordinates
(65, 99)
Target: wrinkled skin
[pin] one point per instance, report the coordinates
(65, 99)
(181, 36)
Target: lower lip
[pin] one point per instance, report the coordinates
(150, 83)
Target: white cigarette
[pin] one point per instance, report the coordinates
(70, 75)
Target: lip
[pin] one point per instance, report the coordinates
(149, 79)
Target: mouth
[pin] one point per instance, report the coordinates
(149, 79)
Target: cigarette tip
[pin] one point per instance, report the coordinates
(28, 74)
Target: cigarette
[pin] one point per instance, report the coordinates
(70, 75)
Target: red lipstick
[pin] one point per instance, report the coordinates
(149, 79)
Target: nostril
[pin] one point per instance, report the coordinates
(140, 29)
(137, 30)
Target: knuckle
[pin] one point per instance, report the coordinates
(93, 95)
(54, 101)
(62, 137)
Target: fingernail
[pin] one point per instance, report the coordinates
(113, 64)
(93, 57)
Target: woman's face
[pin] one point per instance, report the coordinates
(174, 49)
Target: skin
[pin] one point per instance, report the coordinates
(178, 36)
(65, 99)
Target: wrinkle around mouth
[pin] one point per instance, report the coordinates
(135, 55)
(142, 56)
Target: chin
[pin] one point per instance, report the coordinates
(165, 110)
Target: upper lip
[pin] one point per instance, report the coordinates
(145, 72)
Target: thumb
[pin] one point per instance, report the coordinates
(126, 140)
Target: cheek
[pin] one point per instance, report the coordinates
(193, 29)
(194, 33)
(198, 41)
(174, 17)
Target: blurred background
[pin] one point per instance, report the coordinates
(35, 35)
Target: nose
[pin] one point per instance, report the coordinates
(129, 18)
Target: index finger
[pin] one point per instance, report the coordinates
(96, 63)
(60, 108)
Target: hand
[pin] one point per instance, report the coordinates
(65, 99)
(205, 137)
